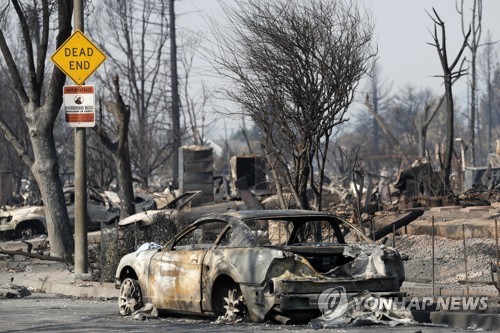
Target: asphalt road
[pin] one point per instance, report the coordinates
(51, 313)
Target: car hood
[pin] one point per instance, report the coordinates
(145, 218)
(138, 260)
(38, 210)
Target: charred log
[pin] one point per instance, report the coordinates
(33, 255)
(405, 220)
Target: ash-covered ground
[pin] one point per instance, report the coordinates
(449, 258)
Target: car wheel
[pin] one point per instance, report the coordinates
(231, 307)
(234, 305)
(130, 299)
(27, 230)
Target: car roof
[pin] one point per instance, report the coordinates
(278, 214)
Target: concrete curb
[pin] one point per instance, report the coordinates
(456, 319)
(425, 289)
(67, 289)
(465, 320)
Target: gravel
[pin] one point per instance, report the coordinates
(449, 258)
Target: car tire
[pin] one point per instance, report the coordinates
(130, 299)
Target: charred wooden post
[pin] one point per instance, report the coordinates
(393, 235)
(498, 258)
(465, 261)
(433, 275)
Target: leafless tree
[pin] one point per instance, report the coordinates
(429, 111)
(194, 105)
(100, 163)
(353, 162)
(11, 113)
(449, 74)
(378, 102)
(411, 115)
(40, 102)
(385, 128)
(379, 98)
(136, 35)
(295, 66)
(488, 105)
(119, 148)
(474, 29)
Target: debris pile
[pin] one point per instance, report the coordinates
(362, 310)
(11, 290)
(146, 312)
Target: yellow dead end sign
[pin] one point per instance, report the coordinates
(78, 57)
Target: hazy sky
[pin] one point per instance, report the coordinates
(402, 29)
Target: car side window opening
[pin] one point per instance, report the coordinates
(204, 236)
(224, 237)
(96, 200)
(69, 198)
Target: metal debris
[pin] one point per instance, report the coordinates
(354, 315)
(147, 246)
(147, 311)
(13, 291)
(234, 309)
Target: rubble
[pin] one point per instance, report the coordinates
(354, 315)
(146, 312)
(11, 290)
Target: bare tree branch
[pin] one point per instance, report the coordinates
(295, 66)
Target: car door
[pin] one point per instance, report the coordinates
(96, 209)
(176, 275)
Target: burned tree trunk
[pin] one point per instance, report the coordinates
(119, 148)
(449, 75)
(405, 220)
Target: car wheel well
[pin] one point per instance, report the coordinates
(128, 272)
(222, 284)
(30, 228)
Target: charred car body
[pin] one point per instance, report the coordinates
(180, 211)
(265, 259)
(28, 221)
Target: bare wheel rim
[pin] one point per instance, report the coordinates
(130, 299)
(27, 231)
(234, 306)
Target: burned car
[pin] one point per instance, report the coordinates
(142, 201)
(29, 221)
(98, 209)
(26, 222)
(22, 222)
(180, 211)
(267, 262)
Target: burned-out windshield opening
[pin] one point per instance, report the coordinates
(212, 233)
